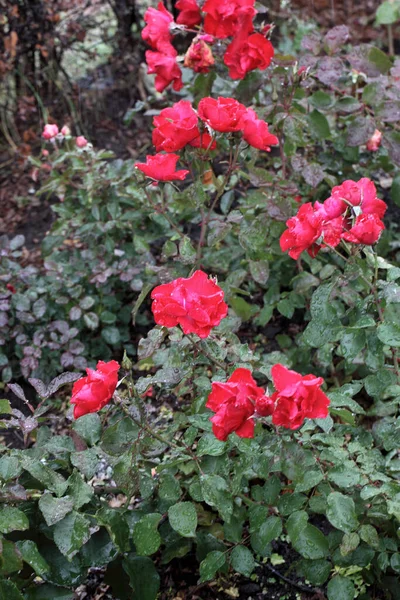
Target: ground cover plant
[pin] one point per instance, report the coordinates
(234, 299)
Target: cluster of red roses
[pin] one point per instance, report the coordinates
(223, 19)
(178, 126)
(239, 400)
(197, 305)
(352, 213)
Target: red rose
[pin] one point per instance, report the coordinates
(360, 193)
(303, 232)
(196, 304)
(234, 403)
(223, 114)
(374, 141)
(199, 57)
(161, 167)
(366, 230)
(175, 127)
(11, 288)
(255, 132)
(204, 141)
(245, 54)
(165, 68)
(190, 14)
(91, 393)
(49, 132)
(225, 18)
(157, 32)
(297, 398)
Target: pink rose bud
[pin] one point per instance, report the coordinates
(374, 141)
(206, 37)
(45, 152)
(81, 141)
(49, 131)
(301, 71)
(66, 130)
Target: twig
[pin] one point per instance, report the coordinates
(303, 588)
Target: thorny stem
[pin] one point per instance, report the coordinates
(205, 218)
(206, 354)
(163, 212)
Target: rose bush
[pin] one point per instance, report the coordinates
(283, 451)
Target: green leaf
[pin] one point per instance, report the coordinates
(117, 526)
(118, 438)
(111, 335)
(88, 427)
(316, 571)
(9, 591)
(91, 320)
(51, 480)
(79, 490)
(85, 461)
(389, 334)
(341, 512)
(9, 468)
(169, 490)
(242, 560)
(216, 493)
(12, 519)
(319, 125)
(380, 60)
(145, 534)
(10, 558)
(31, 555)
(71, 533)
(341, 588)
(49, 592)
(5, 407)
(306, 539)
(388, 13)
(183, 518)
(209, 445)
(243, 309)
(259, 270)
(209, 566)
(263, 535)
(369, 535)
(99, 550)
(350, 542)
(144, 579)
(186, 251)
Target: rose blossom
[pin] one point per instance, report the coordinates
(175, 127)
(297, 398)
(91, 393)
(235, 402)
(81, 141)
(360, 193)
(374, 141)
(199, 57)
(66, 130)
(165, 68)
(245, 54)
(224, 18)
(303, 231)
(162, 167)
(190, 14)
(222, 114)
(49, 131)
(196, 304)
(255, 132)
(157, 31)
(366, 230)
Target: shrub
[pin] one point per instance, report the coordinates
(287, 439)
